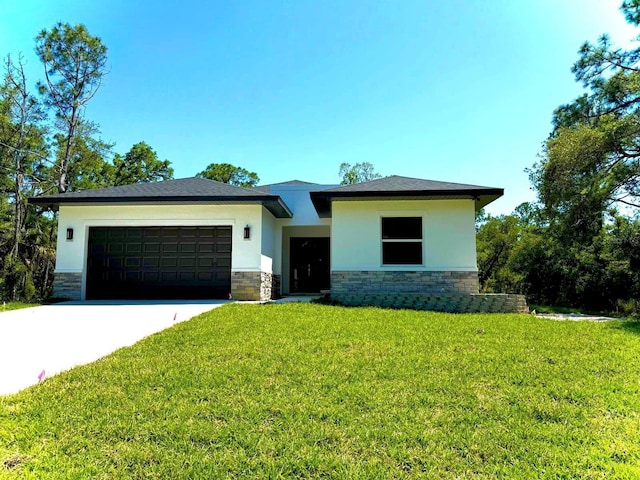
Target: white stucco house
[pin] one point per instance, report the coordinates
(196, 238)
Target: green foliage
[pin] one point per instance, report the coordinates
(592, 158)
(309, 391)
(577, 249)
(6, 307)
(227, 173)
(74, 64)
(495, 241)
(23, 152)
(357, 173)
(140, 165)
(63, 154)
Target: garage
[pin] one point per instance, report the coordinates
(166, 262)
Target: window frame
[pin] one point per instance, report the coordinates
(402, 240)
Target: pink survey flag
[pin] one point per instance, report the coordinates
(41, 376)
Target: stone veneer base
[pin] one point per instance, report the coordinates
(256, 286)
(452, 303)
(391, 282)
(67, 285)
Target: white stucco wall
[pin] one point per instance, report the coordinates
(268, 241)
(72, 255)
(298, 200)
(448, 234)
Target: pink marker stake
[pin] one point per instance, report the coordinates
(41, 376)
(175, 316)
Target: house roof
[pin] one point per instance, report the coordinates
(184, 190)
(267, 188)
(403, 188)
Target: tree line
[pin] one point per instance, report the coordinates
(579, 243)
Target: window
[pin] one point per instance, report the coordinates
(402, 240)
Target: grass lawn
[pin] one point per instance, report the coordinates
(300, 390)
(5, 307)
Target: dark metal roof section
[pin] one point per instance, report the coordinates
(184, 190)
(403, 188)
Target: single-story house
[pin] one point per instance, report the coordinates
(197, 238)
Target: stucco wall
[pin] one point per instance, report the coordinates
(297, 199)
(72, 255)
(268, 241)
(448, 234)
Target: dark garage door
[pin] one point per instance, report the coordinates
(159, 262)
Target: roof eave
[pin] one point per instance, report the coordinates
(322, 200)
(273, 203)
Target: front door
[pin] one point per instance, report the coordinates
(309, 261)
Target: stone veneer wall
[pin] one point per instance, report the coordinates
(378, 282)
(439, 302)
(440, 291)
(257, 286)
(67, 285)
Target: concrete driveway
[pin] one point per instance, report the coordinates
(54, 338)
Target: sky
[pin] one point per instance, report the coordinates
(452, 90)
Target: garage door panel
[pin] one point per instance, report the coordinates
(159, 262)
(151, 262)
(170, 247)
(114, 262)
(168, 262)
(187, 276)
(115, 248)
(189, 247)
(151, 247)
(133, 262)
(186, 262)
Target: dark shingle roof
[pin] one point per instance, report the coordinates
(188, 190)
(397, 187)
(267, 188)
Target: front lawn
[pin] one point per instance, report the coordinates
(7, 306)
(317, 391)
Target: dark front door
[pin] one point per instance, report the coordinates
(309, 260)
(159, 262)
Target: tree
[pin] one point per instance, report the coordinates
(25, 266)
(591, 160)
(74, 64)
(227, 173)
(22, 142)
(140, 165)
(357, 173)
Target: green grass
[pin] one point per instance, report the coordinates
(299, 390)
(6, 306)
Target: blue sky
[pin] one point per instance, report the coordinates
(451, 90)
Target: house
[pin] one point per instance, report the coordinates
(387, 241)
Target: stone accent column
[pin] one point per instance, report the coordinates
(254, 286)
(67, 285)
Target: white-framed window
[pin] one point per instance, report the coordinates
(401, 240)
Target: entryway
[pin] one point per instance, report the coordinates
(309, 265)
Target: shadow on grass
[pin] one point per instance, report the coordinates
(632, 326)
